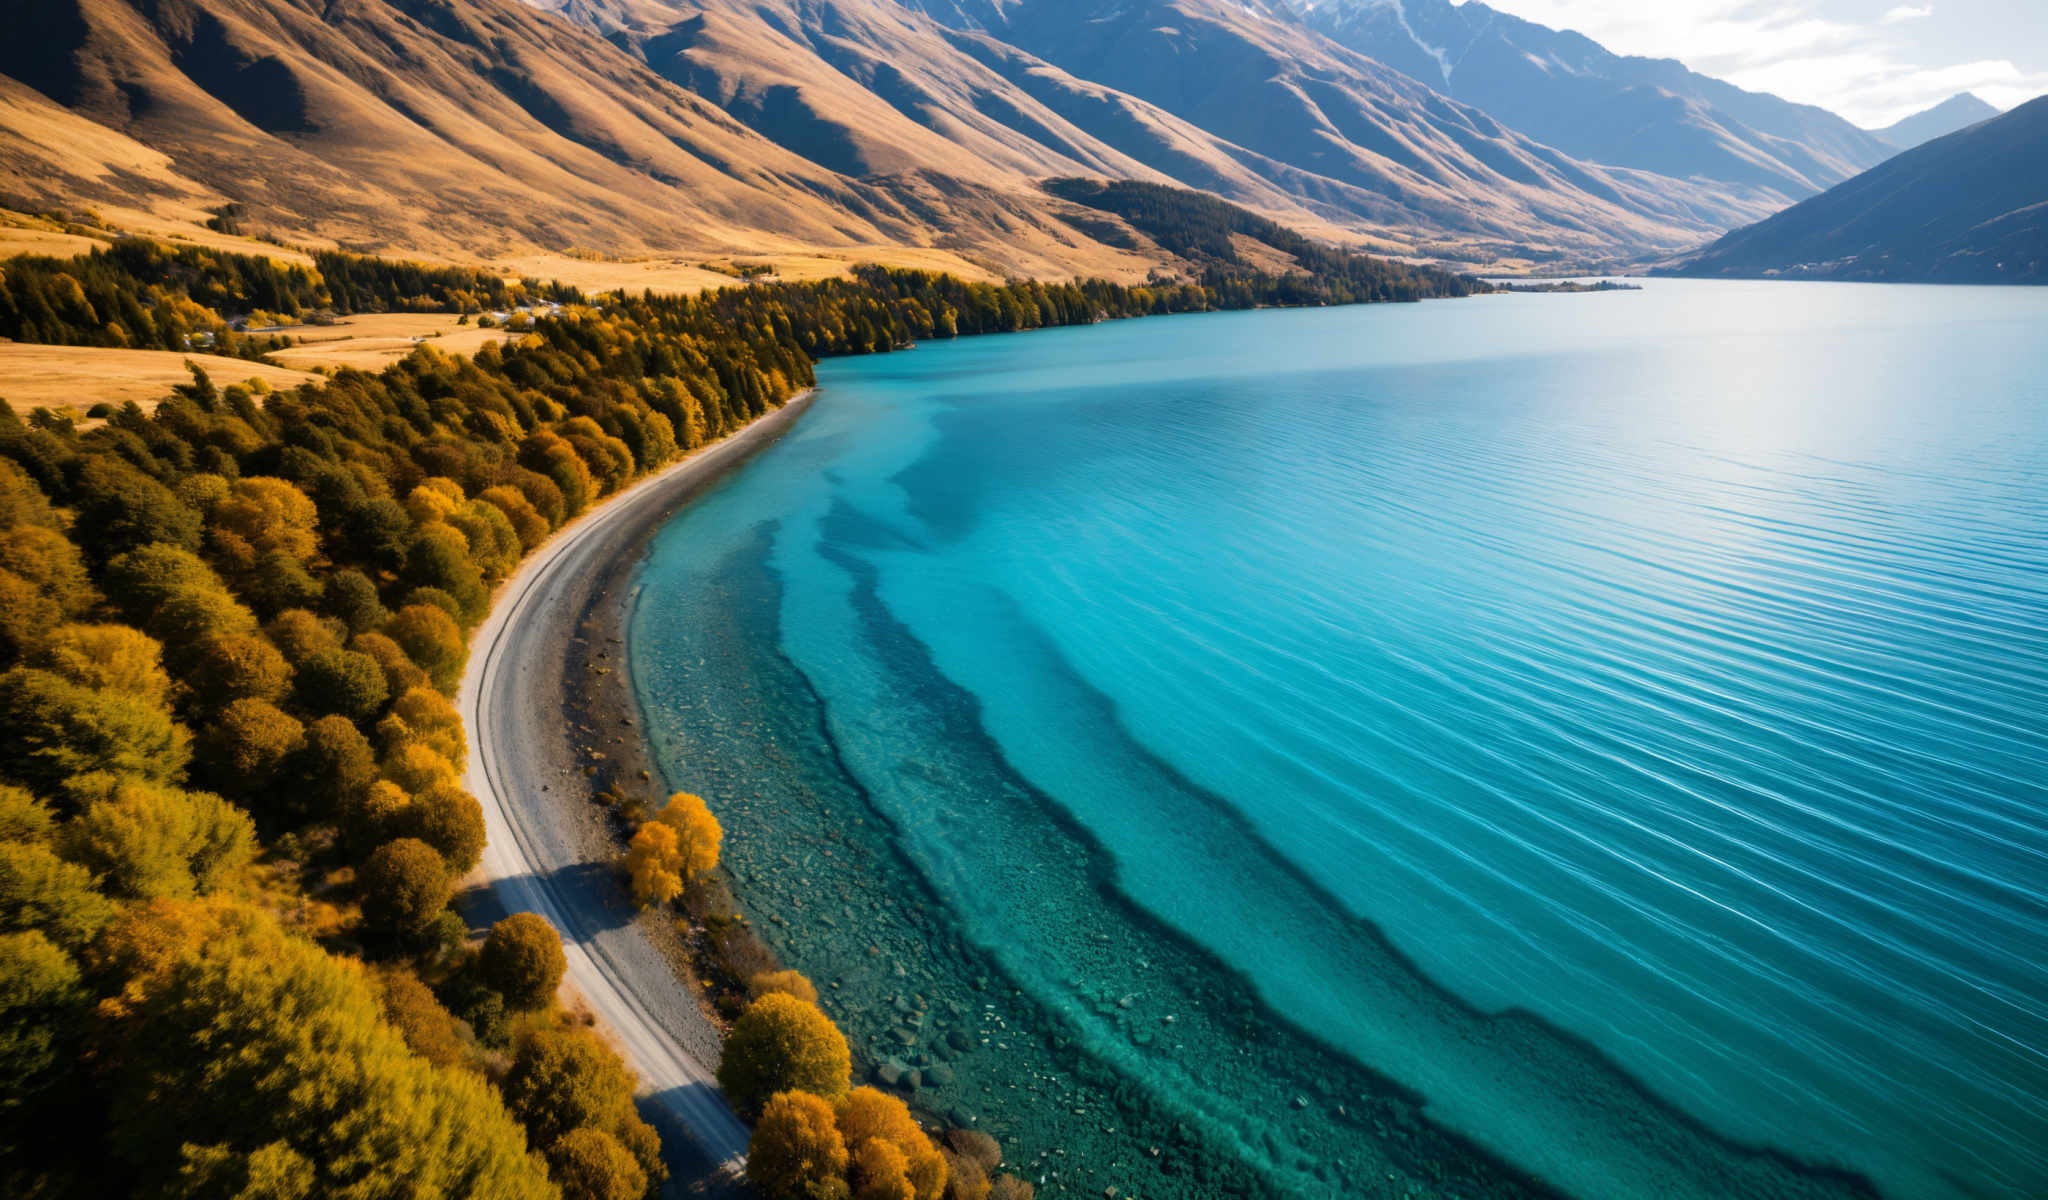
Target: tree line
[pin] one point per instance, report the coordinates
(145, 295)
(1204, 230)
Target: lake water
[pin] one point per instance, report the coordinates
(1593, 744)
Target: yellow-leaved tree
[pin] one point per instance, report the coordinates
(677, 846)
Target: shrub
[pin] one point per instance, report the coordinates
(782, 1044)
(790, 983)
(522, 960)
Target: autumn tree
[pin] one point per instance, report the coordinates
(429, 1030)
(590, 1164)
(41, 891)
(654, 864)
(870, 1116)
(522, 960)
(447, 817)
(112, 658)
(297, 1058)
(431, 639)
(404, 886)
(246, 744)
(562, 1080)
(236, 666)
(677, 846)
(782, 1044)
(796, 1152)
(42, 999)
(880, 1171)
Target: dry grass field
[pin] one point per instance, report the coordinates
(372, 341)
(78, 377)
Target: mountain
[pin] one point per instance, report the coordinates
(465, 128)
(1568, 91)
(1234, 98)
(1959, 111)
(1970, 207)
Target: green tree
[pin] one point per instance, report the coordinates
(350, 597)
(333, 766)
(796, 1152)
(782, 1044)
(522, 960)
(147, 840)
(120, 508)
(42, 1003)
(39, 890)
(169, 593)
(343, 682)
(404, 886)
(57, 730)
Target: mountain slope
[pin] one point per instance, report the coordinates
(1566, 90)
(1231, 98)
(1959, 111)
(463, 127)
(1971, 207)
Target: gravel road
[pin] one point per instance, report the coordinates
(541, 855)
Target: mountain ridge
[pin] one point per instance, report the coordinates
(1959, 111)
(1968, 207)
(1565, 89)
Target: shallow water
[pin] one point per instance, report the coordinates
(1589, 743)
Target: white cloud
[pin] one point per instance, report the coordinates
(1865, 69)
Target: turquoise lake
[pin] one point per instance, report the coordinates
(1527, 745)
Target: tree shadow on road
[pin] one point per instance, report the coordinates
(691, 1172)
(588, 893)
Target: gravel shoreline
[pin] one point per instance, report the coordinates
(552, 721)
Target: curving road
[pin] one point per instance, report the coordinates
(539, 857)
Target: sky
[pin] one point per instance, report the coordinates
(1872, 61)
